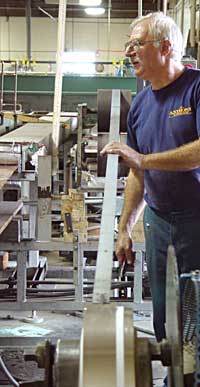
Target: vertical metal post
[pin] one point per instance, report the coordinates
(139, 8)
(109, 32)
(192, 23)
(79, 144)
(25, 192)
(21, 276)
(182, 15)
(2, 85)
(58, 82)
(15, 90)
(44, 198)
(137, 290)
(33, 196)
(67, 167)
(78, 267)
(15, 97)
(28, 29)
(165, 7)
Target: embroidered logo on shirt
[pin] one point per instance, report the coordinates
(182, 111)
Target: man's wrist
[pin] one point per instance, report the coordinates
(122, 229)
(142, 159)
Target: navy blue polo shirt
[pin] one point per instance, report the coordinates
(165, 119)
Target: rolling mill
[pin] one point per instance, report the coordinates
(75, 311)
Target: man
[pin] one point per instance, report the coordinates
(163, 153)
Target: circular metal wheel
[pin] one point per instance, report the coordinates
(104, 108)
(66, 363)
(101, 161)
(173, 321)
(107, 350)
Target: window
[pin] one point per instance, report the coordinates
(79, 62)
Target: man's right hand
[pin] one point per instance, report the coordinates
(124, 248)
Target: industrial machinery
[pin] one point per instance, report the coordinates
(110, 353)
(27, 231)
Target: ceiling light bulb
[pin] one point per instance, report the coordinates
(95, 11)
(90, 3)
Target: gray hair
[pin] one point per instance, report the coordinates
(163, 27)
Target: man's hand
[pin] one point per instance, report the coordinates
(129, 156)
(124, 248)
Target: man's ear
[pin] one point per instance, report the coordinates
(165, 47)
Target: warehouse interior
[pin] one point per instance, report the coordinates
(66, 304)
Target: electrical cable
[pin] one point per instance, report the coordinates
(8, 374)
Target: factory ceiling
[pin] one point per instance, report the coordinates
(43, 8)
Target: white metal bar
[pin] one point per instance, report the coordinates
(137, 291)
(58, 82)
(21, 276)
(106, 242)
(120, 347)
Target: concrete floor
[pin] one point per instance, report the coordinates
(18, 332)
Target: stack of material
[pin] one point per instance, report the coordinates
(73, 209)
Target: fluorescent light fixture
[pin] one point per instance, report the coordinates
(95, 11)
(79, 62)
(90, 3)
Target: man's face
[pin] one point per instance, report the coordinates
(145, 57)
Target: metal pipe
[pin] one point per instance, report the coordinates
(58, 83)
(8, 374)
(192, 22)
(198, 30)
(15, 90)
(28, 29)
(139, 8)
(182, 15)
(165, 7)
(2, 84)
(109, 32)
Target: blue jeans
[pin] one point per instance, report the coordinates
(182, 230)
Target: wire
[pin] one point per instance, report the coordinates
(7, 373)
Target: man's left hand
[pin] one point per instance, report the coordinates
(129, 156)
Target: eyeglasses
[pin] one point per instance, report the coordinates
(135, 45)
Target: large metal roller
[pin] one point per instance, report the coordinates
(104, 109)
(107, 351)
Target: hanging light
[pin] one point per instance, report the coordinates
(95, 11)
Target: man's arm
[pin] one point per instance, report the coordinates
(183, 158)
(133, 206)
